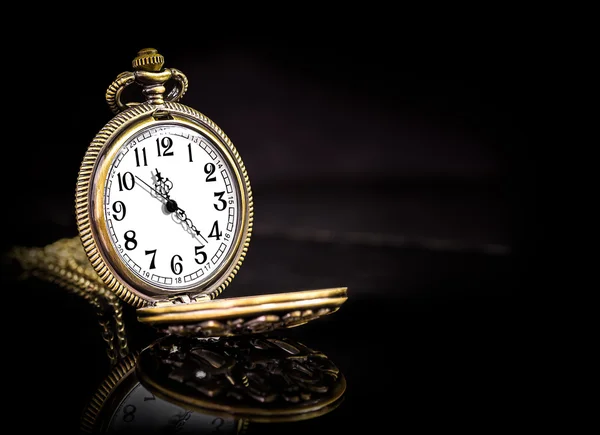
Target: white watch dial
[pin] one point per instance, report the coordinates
(172, 206)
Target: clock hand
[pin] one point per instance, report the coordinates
(153, 189)
(171, 206)
(187, 220)
(165, 185)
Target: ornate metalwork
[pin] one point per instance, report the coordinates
(244, 315)
(250, 325)
(151, 76)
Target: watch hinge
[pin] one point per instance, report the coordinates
(181, 299)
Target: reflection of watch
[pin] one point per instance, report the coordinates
(215, 385)
(263, 378)
(165, 212)
(123, 405)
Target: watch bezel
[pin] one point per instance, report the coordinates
(91, 221)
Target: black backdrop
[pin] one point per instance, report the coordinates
(402, 166)
(336, 109)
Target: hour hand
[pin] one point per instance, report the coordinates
(162, 185)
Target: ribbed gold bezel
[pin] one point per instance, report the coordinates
(90, 192)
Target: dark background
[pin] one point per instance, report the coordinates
(400, 165)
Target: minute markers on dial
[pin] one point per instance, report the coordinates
(142, 195)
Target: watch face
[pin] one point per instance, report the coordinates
(167, 207)
(171, 206)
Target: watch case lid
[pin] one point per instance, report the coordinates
(242, 315)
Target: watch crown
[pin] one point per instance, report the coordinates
(148, 59)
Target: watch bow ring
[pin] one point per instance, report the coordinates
(148, 69)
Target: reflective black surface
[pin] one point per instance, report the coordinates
(447, 350)
(407, 178)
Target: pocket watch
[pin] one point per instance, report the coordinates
(205, 385)
(164, 212)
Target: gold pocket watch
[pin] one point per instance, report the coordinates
(164, 212)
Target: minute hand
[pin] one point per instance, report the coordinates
(166, 198)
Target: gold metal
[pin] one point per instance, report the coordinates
(130, 119)
(148, 59)
(244, 315)
(64, 263)
(152, 77)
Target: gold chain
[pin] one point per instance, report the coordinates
(64, 263)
